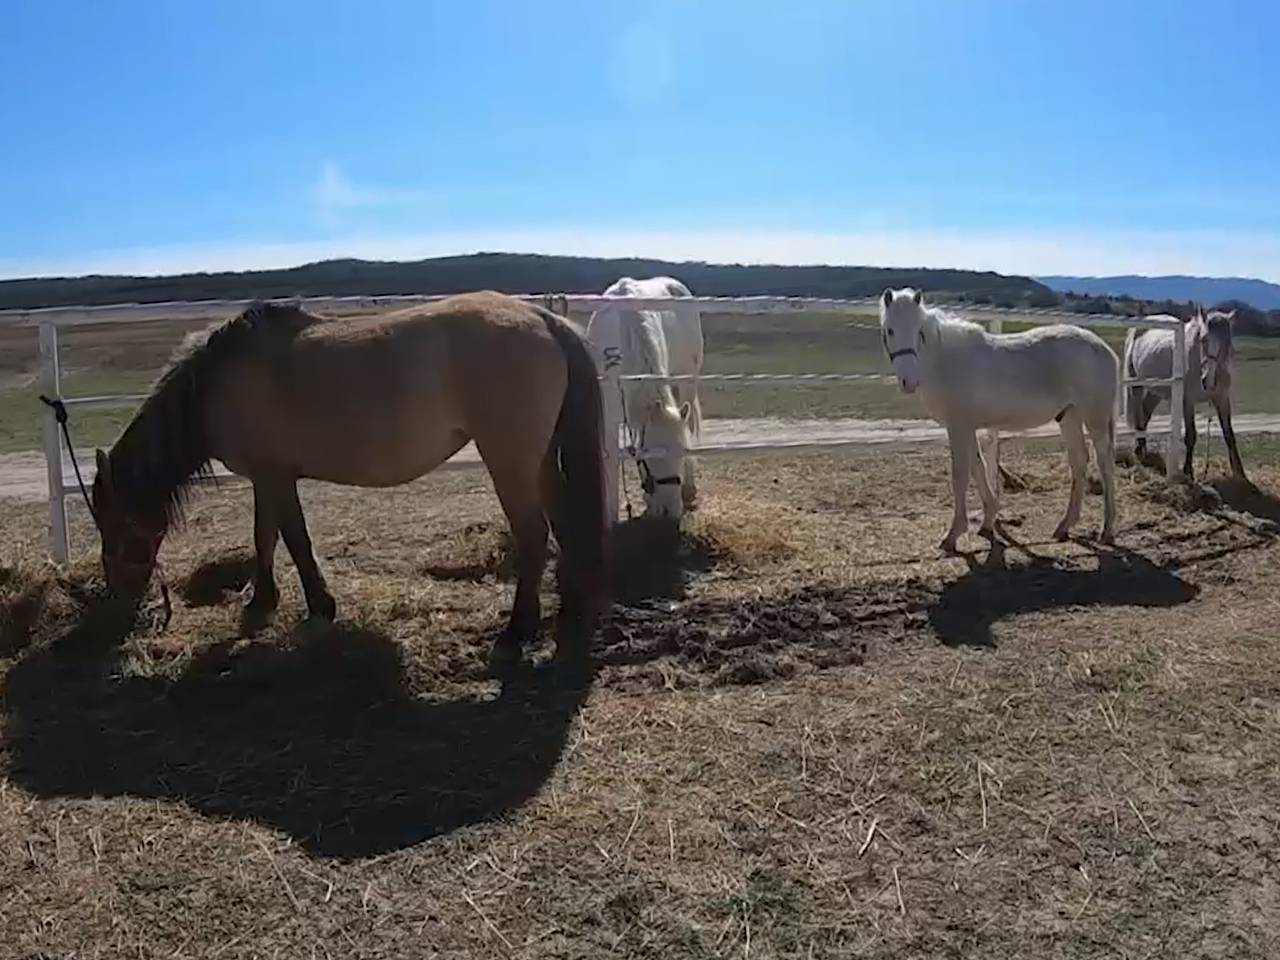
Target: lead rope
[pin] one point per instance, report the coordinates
(60, 414)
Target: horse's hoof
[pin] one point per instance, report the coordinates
(1108, 538)
(1061, 534)
(506, 654)
(948, 546)
(325, 609)
(573, 649)
(254, 619)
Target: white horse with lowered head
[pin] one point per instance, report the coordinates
(971, 380)
(661, 416)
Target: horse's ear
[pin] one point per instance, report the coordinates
(1232, 314)
(887, 297)
(918, 297)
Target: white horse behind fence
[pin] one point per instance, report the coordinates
(971, 380)
(1210, 361)
(661, 417)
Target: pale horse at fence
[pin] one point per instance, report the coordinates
(971, 380)
(663, 418)
(1210, 361)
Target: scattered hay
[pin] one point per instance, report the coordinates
(484, 550)
(828, 778)
(223, 579)
(750, 546)
(37, 602)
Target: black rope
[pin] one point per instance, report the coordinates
(60, 414)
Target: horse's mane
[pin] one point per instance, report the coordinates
(166, 447)
(646, 349)
(950, 325)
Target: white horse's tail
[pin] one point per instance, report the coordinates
(1126, 371)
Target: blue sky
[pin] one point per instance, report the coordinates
(1018, 135)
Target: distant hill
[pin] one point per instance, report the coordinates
(518, 273)
(1206, 290)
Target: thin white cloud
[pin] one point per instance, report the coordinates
(334, 193)
(1205, 253)
(333, 190)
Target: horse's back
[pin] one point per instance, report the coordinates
(1019, 381)
(380, 400)
(677, 332)
(1152, 353)
(1077, 360)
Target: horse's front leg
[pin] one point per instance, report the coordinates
(293, 527)
(1223, 406)
(266, 532)
(963, 444)
(689, 484)
(1189, 438)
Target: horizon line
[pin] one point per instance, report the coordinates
(1079, 254)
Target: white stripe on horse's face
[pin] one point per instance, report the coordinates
(1215, 349)
(901, 320)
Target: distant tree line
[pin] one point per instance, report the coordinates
(1249, 321)
(517, 273)
(532, 273)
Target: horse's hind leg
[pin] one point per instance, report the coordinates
(1189, 422)
(1072, 430)
(1138, 414)
(1102, 433)
(293, 527)
(1222, 403)
(1144, 408)
(266, 533)
(518, 486)
(574, 603)
(987, 477)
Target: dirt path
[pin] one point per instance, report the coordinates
(22, 475)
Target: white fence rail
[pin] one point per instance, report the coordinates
(49, 319)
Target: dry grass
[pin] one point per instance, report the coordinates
(807, 735)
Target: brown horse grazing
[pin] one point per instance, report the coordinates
(278, 394)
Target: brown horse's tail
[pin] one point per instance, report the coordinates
(578, 446)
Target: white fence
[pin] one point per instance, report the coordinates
(50, 319)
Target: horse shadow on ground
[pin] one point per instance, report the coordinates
(966, 609)
(1243, 497)
(1240, 495)
(655, 560)
(318, 735)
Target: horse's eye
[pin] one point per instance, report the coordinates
(889, 332)
(922, 338)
